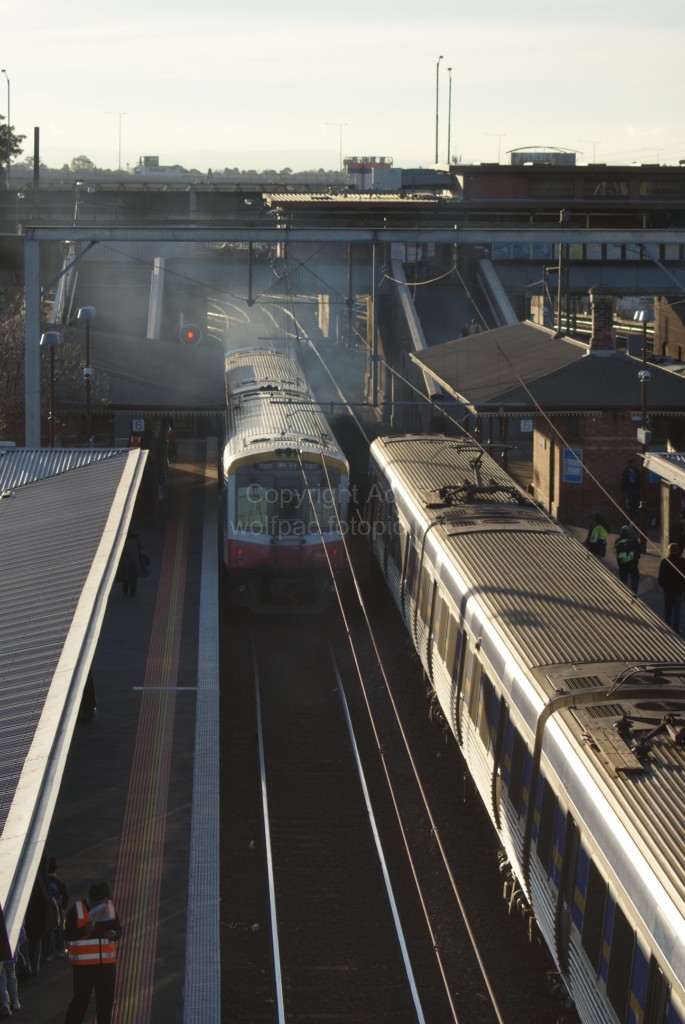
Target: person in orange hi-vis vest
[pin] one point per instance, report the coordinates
(91, 931)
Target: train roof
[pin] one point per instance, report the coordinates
(262, 369)
(270, 407)
(570, 623)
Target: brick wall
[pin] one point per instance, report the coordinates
(606, 440)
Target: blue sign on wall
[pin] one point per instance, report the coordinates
(572, 466)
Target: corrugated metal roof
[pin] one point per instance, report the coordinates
(269, 404)
(20, 466)
(670, 466)
(261, 420)
(60, 539)
(348, 199)
(559, 608)
(262, 369)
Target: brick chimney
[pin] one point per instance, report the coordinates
(603, 340)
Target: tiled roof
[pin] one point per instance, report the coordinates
(524, 367)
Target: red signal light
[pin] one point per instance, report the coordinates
(190, 334)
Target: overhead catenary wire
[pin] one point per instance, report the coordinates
(435, 832)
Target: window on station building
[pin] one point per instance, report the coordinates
(601, 187)
(561, 188)
(669, 187)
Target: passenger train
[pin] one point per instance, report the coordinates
(285, 484)
(566, 696)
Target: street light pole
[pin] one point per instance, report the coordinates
(87, 313)
(51, 339)
(644, 435)
(119, 114)
(437, 105)
(9, 147)
(449, 118)
(339, 125)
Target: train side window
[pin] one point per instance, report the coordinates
(593, 918)
(566, 871)
(471, 682)
(393, 528)
(452, 634)
(658, 997)
(412, 559)
(425, 595)
(487, 697)
(518, 763)
(438, 625)
(620, 963)
(548, 810)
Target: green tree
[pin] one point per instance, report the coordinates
(69, 363)
(15, 142)
(29, 161)
(12, 374)
(82, 164)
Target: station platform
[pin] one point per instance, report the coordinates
(649, 591)
(139, 803)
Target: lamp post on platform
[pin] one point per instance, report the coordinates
(644, 435)
(51, 339)
(86, 313)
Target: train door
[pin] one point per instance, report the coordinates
(289, 514)
(498, 756)
(566, 890)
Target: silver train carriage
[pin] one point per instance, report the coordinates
(285, 484)
(567, 698)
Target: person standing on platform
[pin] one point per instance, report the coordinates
(53, 942)
(596, 540)
(627, 551)
(92, 931)
(9, 988)
(631, 483)
(671, 579)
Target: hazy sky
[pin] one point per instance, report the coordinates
(269, 85)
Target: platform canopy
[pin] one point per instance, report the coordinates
(64, 516)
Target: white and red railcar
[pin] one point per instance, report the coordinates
(285, 484)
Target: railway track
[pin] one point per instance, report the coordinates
(334, 950)
(331, 910)
(309, 926)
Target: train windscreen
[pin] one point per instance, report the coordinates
(279, 500)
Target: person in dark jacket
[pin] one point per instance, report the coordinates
(631, 484)
(671, 579)
(627, 552)
(39, 917)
